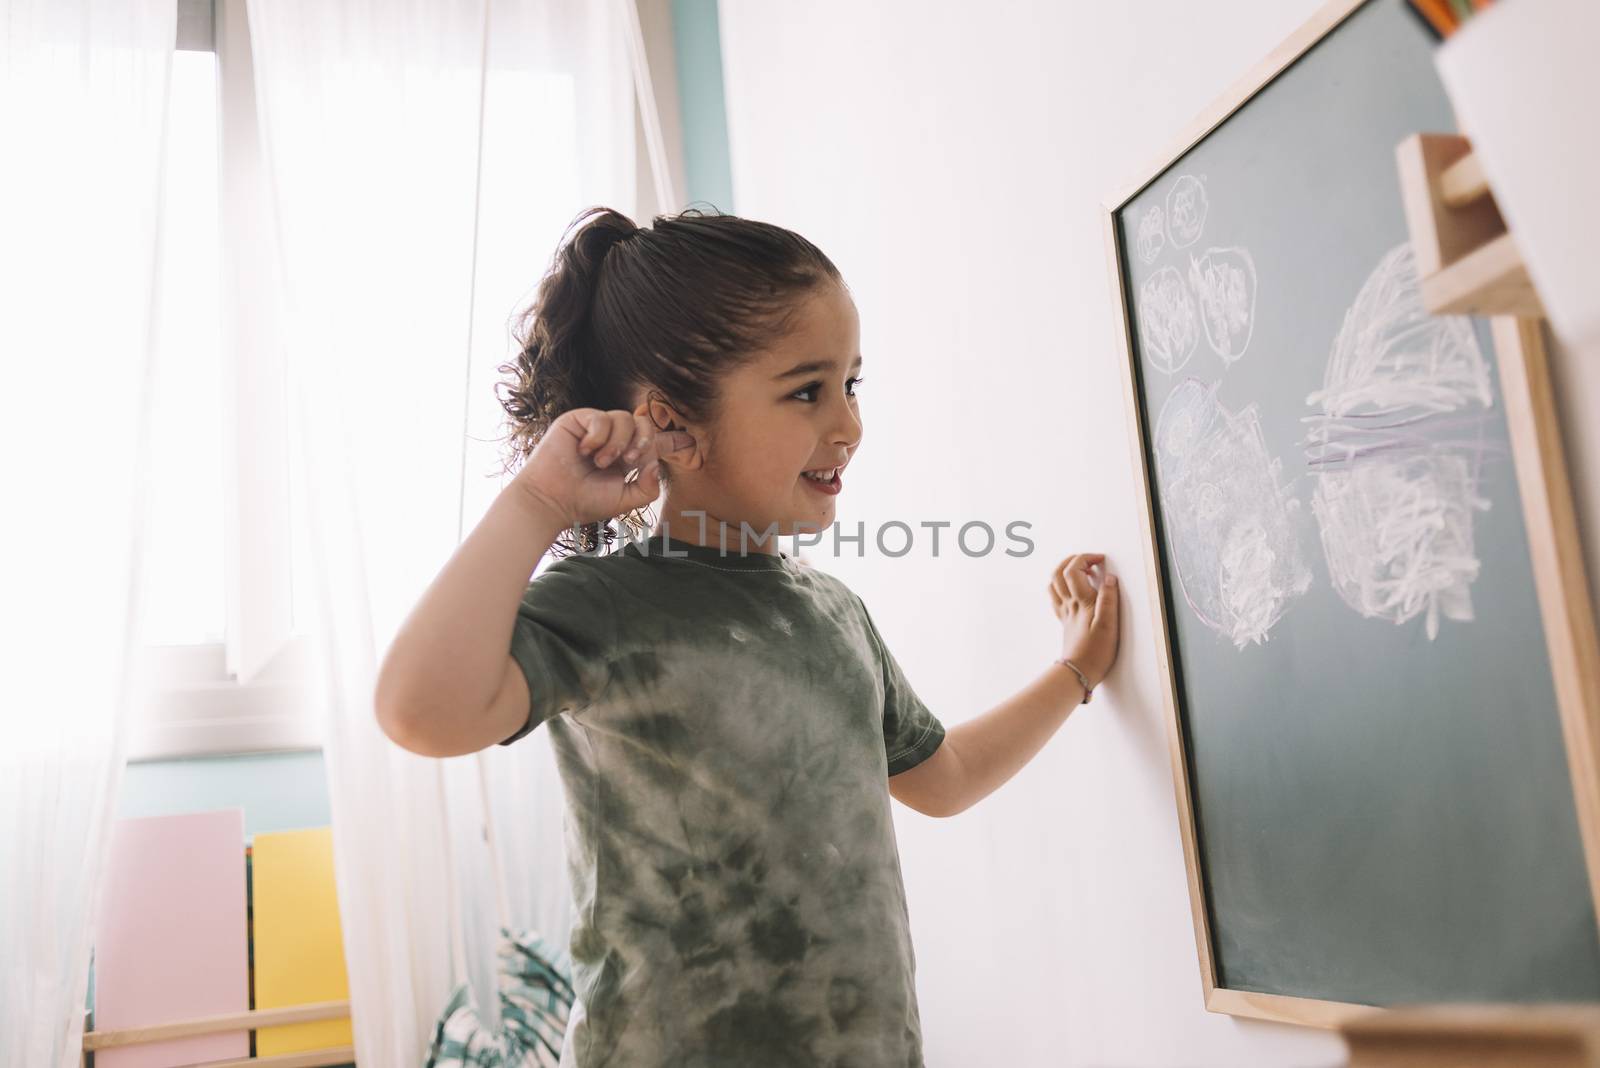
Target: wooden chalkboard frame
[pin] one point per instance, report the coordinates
(1548, 514)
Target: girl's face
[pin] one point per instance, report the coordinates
(790, 410)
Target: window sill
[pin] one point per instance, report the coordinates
(192, 708)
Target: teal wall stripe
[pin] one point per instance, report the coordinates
(697, 44)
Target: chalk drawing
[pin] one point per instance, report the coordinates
(1168, 320)
(1397, 449)
(1392, 355)
(1397, 531)
(1152, 237)
(1186, 211)
(1229, 522)
(1224, 281)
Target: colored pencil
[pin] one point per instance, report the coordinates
(1434, 15)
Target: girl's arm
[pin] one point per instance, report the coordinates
(977, 756)
(447, 685)
(982, 753)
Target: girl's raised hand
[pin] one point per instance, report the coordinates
(579, 468)
(1089, 610)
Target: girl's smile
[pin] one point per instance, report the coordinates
(833, 484)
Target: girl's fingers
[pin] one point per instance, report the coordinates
(643, 436)
(1058, 587)
(1078, 582)
(622, 431)
(668, 442)
(1072, 579)
(1108, 605)
(652, 444)
(643, 489)
(596, 428)
(619, 433)
(634, 438)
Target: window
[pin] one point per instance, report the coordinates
(226, 591)
(224, 551)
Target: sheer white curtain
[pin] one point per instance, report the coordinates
(83, 97)
(425, 157)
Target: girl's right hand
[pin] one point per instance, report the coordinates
(574, 470)
(1090, 615)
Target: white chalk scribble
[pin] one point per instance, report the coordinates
(1224, 281)
(1397, 531)
(1168, 322)
(1152, 237)
(1397, 448)
(1228, 521)
(1391, 354)
(1186, 211)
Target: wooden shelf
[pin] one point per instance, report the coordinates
(1484, 1036)
(1467, 260)
(248, 1020)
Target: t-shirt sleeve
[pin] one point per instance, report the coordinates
(911, 732)
(563, 639)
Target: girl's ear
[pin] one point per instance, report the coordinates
(663, 416)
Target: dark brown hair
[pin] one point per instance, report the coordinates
(673, 308)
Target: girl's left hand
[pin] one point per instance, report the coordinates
(1089, 608)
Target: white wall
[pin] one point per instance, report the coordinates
(951, 158)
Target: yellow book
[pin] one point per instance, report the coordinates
(299, 952)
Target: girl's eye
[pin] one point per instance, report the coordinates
(812, 387)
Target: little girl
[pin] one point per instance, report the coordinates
(728, 722)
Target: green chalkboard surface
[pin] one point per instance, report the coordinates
(1380, 795)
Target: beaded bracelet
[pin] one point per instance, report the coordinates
(1083, 680)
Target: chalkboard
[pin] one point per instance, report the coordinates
(1379, 799)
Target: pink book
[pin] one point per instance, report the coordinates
(171, 937)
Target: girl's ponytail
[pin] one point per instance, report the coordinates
(672, 308)
(554, 372)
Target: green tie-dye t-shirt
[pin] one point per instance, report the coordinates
(724, 725)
